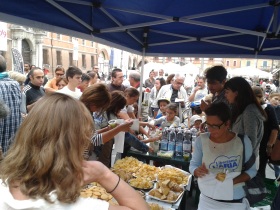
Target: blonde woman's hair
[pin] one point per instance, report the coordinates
(47, 152)
(20, 78)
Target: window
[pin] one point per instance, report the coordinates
(84, 61)
(70, 38)
(92, 43)
(70, 59)
(83, 42)
(264, 63)
(92, 61)
(58, 58)
(234, 63)
(45, 56)
(58, 36)
(248, 63)
(227, 63)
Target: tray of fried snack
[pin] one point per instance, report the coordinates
(156, 206)
(174, 174)
(128, 164)
(141, 183)
(95, 190)
(167, 191)
(126, 176)
(147, 171)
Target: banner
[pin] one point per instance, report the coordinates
(17, 61)
(3, 36)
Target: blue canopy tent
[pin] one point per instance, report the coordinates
(189, 28)
(197, 28)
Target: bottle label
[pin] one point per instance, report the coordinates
(179, 148)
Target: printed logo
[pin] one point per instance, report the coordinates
(222, 161)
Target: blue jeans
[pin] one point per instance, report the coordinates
(135, 142)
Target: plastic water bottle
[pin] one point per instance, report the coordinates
(172, 140)
(179, 143)
(187, 144)
(164, 140)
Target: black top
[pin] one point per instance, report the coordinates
(32, 93)
(113, 87)
(270, 124)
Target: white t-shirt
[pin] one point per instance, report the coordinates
(75, 94)
(7, 202)
(200, 94)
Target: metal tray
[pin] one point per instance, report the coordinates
(167, 201)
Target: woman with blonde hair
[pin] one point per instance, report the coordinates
(44, 169)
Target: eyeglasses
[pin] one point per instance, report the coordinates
(59, 75)
(214, 127)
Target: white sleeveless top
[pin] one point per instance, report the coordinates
(219, 156)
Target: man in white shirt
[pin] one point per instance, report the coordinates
(199, 91)
(73, 75)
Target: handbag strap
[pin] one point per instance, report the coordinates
(251, 161)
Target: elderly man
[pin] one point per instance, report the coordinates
(174, 91)
(134, 79)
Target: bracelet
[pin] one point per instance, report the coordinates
(116, 185)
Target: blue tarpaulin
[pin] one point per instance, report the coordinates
(188, 28)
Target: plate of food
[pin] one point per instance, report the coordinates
(167, 191)
(140, 183)
(148, 172)
(95, 191)
(156, 206)
(174, 174)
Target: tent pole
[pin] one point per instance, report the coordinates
(141, 82)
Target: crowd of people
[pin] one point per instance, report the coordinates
(51, 130)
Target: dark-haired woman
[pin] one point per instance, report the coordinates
(219, 152)
(247, 114)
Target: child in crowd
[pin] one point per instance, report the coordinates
(171, 119)
(162, 103)
(195, 122)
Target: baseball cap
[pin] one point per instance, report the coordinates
(163, 99)
(194, 118)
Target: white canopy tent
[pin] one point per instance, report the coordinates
(249, 72)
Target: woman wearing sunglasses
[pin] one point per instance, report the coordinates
(217, 162)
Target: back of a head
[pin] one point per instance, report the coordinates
(3, 65)
(72, 71)
(97, 95)
(85, 77)
(131, 92)
(218, 73)
(219, 109)
(20, 78)
(49, 156)
(135, 75)
(118, 102)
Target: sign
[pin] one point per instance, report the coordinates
(17, 61)
(3, 36)
(75, 49)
